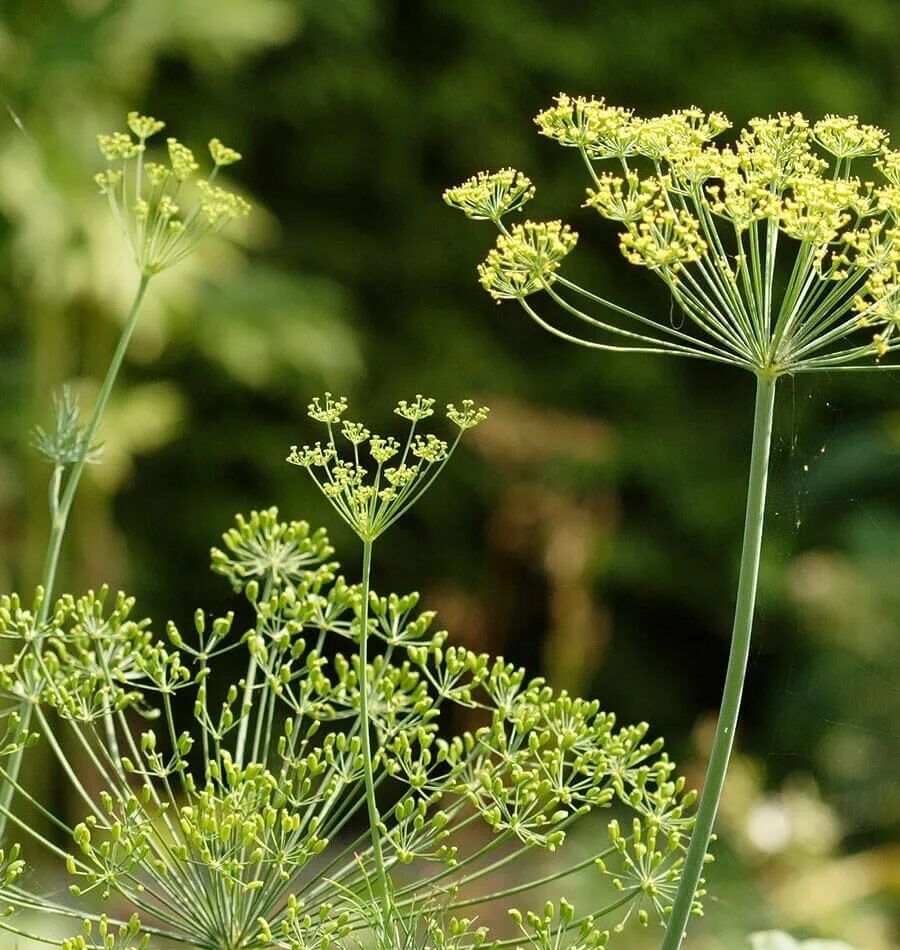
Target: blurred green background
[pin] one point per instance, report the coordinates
(591, 530)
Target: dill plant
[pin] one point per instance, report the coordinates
(142, 196)
(319, 796)
(780, 255)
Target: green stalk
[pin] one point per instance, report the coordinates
(60, 509)
(58, 526)
(365, 737)
(249, 682)
(737, 666)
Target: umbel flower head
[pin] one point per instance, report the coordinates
(371, 480)
(782, 246)
(162, 207)
(234, 821)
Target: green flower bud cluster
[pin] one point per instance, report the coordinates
(237, 822)
(265, 548)
(111, 844)
(552, 926)
(458, 933)
(242, 827)
(650, 869)
(125, 936)
(709, 220)
(299, 928)
(87, 660)
(153, 202)
(24, 633)
(16, 736)
(371, 499)
(12, 867)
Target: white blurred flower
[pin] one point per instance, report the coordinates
(778, 940)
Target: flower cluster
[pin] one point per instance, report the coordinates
(623, 199)
(600, 130)
(666, 241)
(376, 479)
(491, 195)
(163, 216)
(239, 822)
(526, 259)
(125, 936)
(83, 661)
(716, 223)
(603, 131)
(264, 547)
(845, 137)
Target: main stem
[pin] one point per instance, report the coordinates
(737, 666)
(60, 509)
(365, 737)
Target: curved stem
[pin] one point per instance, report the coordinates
(365, 737)
(656, 324)
(59, 511)
(58, 527)
(593, 345)
(737, 666)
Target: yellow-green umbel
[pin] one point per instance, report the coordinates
(782, 249)
(371, 495)
(162, 208)
(145, 199)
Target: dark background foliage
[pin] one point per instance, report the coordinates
(591, 530)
